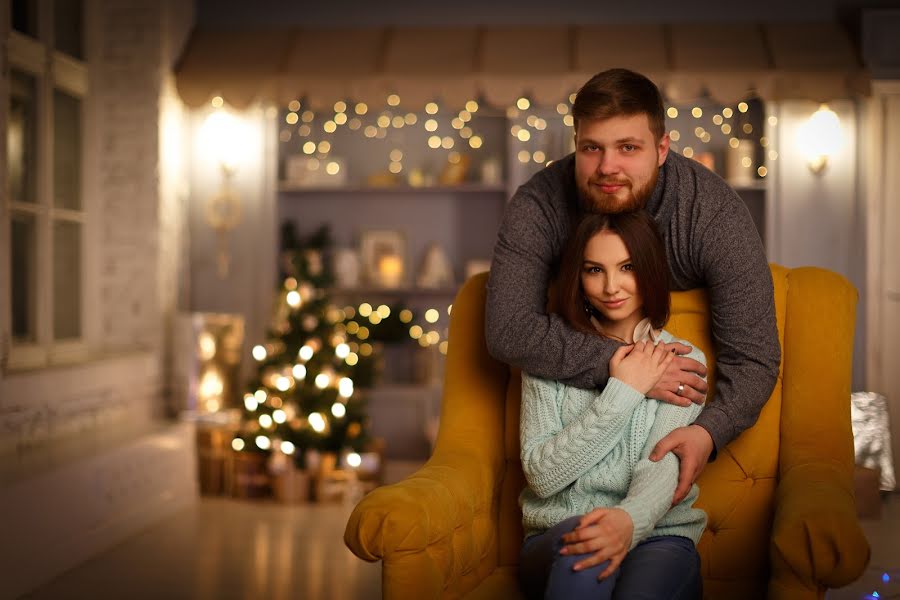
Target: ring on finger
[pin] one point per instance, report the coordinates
(680, 391)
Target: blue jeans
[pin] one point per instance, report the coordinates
(665, 567)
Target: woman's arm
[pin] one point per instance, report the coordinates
(554, 456)
(653, 483)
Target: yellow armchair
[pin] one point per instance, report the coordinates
(782, 520)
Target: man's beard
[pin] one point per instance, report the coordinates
(595, 201)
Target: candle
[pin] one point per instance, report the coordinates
(390, 270)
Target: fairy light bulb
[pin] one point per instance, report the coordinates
(322, 381)
(317, 422)
(299, 372)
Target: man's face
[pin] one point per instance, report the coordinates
(616, 162)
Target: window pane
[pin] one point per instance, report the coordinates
(24, 277)
(21, 138)
(25, 16)
(66, 150)
(66, 280)
(67, 25)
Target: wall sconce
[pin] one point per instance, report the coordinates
(224, 138)
(820, 138)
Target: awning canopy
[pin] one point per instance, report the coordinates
(728, 62)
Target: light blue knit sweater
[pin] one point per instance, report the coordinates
(582, 450)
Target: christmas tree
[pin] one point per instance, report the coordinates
(304, 395)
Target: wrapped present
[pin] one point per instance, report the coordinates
(335, 481)
(872, 435)
(214, 455)
(250, 476)
(290, 485)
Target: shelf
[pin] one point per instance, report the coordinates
(758, 186)
(401, 291)
(465, 188)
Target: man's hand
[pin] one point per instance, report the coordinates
(692, 445)
(606, 532)
(681, 371)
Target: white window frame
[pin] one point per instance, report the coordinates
(52, 70)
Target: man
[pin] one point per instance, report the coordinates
(622, 162)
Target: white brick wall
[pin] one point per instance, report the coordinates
(127, 83)
(138, 245)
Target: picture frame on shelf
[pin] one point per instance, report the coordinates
(383, 256)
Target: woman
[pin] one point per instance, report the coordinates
(585, 453)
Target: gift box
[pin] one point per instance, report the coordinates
(250, 476)
(214, 458)
(291, 486)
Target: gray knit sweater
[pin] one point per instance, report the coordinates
(711, 242)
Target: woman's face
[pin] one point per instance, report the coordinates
(608, 279)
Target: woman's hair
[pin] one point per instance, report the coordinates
(620, 92)
(648, 257)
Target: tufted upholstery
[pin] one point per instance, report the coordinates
(782, 520)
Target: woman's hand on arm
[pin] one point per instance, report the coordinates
(641, 365)
(606, 532)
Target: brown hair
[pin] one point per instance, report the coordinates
(620, 92)
(648, 256)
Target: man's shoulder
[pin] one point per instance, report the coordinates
(552, 185)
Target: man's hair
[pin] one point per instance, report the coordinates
(648, 256)
(620, 92)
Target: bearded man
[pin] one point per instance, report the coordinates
(622, 163)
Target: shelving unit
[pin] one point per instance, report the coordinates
(400, 292)
(465, 188)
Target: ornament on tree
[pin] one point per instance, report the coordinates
(310, 322)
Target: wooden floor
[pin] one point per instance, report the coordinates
(224, 549)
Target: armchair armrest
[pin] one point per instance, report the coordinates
(423, 510)
(816, 539)
(435, 530)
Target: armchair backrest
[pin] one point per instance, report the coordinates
(737, 490)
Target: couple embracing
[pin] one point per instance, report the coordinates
(614, 427)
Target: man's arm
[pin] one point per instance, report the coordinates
(518, 329)
(742, 305)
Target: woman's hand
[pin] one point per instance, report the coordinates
(604, 531)
(641, 365)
